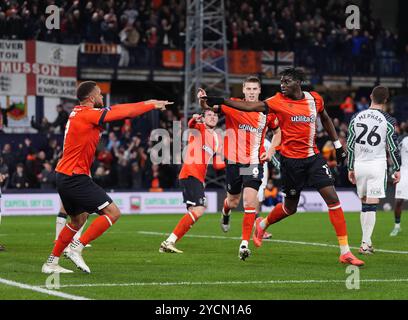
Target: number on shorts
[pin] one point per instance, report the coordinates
(328, 172)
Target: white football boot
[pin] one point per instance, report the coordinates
(52, 266)
(169, 247)
(74, 253)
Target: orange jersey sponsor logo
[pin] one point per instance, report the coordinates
(297, 120)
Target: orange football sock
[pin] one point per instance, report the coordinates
(64, 238)
(278, 213)
(96, 229)
(227, 209)
(185, 223)
(248, 223)
(339, 223)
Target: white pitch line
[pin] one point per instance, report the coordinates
(41, 290)
(315, 244)
(208, 283)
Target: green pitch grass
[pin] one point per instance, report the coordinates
(126, 264)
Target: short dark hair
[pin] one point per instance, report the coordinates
(295, 73)
(205, 110)
(380, 94)
(252, 79)
(84, 89)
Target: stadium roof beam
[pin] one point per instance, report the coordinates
(206, 51)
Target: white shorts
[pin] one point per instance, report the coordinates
(371, 179)
(261, 190)
(401, 190)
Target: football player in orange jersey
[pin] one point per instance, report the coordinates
(301, 162)
(201, 150)
(79, 194)
(244, 154)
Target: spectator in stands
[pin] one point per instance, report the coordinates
(47, 177)
(105, 157)
(329, 153)
(136, 176)
(14, 25)
(155, 181)
(109, 28)
(3, 26)
(101, 176)
(165, 38)
(61, 120)
(8, 157)
(43, 126)
(113, 142)
(272, 195)
(123, 167)
(348, 107)
(93, 31)
(129, 37)
(4, 171)
(19, 179)
(362, 104)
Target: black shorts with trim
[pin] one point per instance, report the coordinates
(298, 173)
(239, 176)
(79, 193)
(193, 192)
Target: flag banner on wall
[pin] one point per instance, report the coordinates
(38, 68)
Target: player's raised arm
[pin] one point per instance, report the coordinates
(126, 110)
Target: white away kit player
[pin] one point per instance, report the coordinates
(371, 132)
(401, 190)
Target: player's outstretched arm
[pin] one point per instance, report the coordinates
(331, 131)
(240, 105)
(249, 106)
(131, 110)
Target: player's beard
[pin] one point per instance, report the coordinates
(98, 105)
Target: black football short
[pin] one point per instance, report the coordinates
(79, 194)
(240, 176)
(193, 192)
(298, 173)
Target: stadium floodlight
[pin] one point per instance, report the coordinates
(206, 62)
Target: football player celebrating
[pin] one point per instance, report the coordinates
(202, 147)
(301, 162)
(79, 194)
(370, 133)
(244, 154)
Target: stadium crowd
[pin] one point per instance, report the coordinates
(314, 30)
